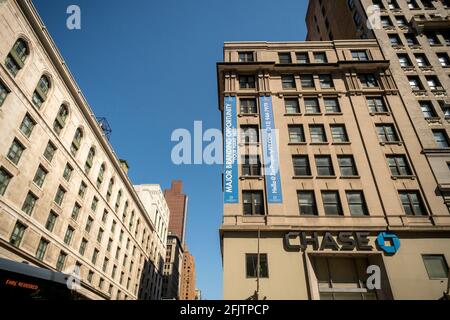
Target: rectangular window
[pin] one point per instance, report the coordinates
(332, 203)
(90, 276)
(291, 106)
(248, 106)
(249, 134)
(68, 236)
(421, 60)
(59, 197)
(376, 105)
(331, 105)
(104, 216)
(356, 203)
(404, 60)
(445, 107)
(301, 165)
(320, 57)
(412, 203)
(251, 166)
(94, 204)
(317, 133)
(398, 164)
(285, 57)
(61, 261)
(51, 221)
(94, 256)
(339, 133)
(253, 203)
(368, 80)
(302, 57)
(326, 82)
(411, 39)
(307, 81)
(427, 109)
(49, 152)
(360, 55)
(312, 105)
(76, 211)
(40, 175)
(17, 234)
(347, 166)
(288, 81)
(27, 125)
(246, 57)
(395, 40)
(441, 138)
(387, 133)
(251, 261)
(5, 178)
(247, 82)
(105, 264)
(41, 249)
(307, 203)
(100, 235)
(296, 134)
(415, 83)
(89, 224)
(67, 172)
(324, 166)
(82, 190)
(83, 246)
(3, 93)
(15, 151)
(436, 265)
(29, 203)
(444, 60)
(433, 83)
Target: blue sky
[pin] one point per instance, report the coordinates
(150, 68)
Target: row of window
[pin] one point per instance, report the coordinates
(433, 38)
(412, 4)
(432, 81)
(422, 60)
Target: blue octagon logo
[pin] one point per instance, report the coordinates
(392, 240)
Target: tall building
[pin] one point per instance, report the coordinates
(66, 201)
(173, 267)
(188, 290)
(178, 204)
(155, 204)
(354, 196)
(415, 36)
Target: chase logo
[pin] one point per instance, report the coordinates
(388, 242)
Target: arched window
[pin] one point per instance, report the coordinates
(76, 142)
(17, 56)
(61, 118)
(89, 161)
(101, 174)
(40, 94)
(110, 189)
(119, 198)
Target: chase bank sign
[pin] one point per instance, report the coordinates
(387, 242)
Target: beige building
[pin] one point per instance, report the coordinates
(188, 290)
(354, 189)
(173, 268)
(65, 198)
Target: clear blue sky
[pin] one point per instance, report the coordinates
(150, 68)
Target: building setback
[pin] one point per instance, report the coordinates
(354, 188)
(66, 201)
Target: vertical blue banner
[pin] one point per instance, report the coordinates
(270, 150)
(230, 179)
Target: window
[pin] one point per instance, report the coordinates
(401, 21)
(3, 93)
(100, 235)
(100, 176)
(90, 276)
(411, 39)
(331, 203)
(251, 165)
(27, 125)
(368, 80)
(296, 134)
(5, 178)
(119, 198)
(248, 106)
(108, 248)
(82, 190)
(40, 94)
(307, 81)
(285, 57)
(412, 203)
(427, 109)
(376, 105)
(68, 235)
(291, 106)
(125, 210)
(15, 151)
(441, 138)
(249, 134)
(83, 246)
(89, 161)
(104, 216)
(51, 221)
(356, 203)
(339, 133)
(395, 40)
(61, 118)
(288, 81)
(312, 105)
(41, 249)
(427, 4)
(39, 177)
(415, 83)
(110, 188)
(105, 264)
(307, 203)
(253, 203)
(247, 82)
(61, 261)
(326, 82)
(421, 60)
(29, 203)
(246, 57)
(445, 108)
(404, 60)
(360, 55)
(76, 142)
(433, 83)
(17, 234)
(436, 266)
(398, 164)
(251, 261)
(76, 211)
(59, 197)
(443, 60)
(392, 4)
(331, 105)
(387, 133)
(432, 38)
(301, 166)
(324, 166)
(67, 172)
(95, 256)
(317, 133)
(49, 151)
(320, 57)
(386, 22)
(347, 166)
(302, 57)
(89, 224)
(17, 56)
(412, 4)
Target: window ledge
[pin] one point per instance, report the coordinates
(242, 115)
(350, 177)
(412, 177)
(380, 113)
(251, 178)
(341, 143)
(313, 114)
(387, 143)
(293, 114)
(326, 177)
(334, 113)
(302, 177)
(243, 144)
(297, 144)
(319, 143)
